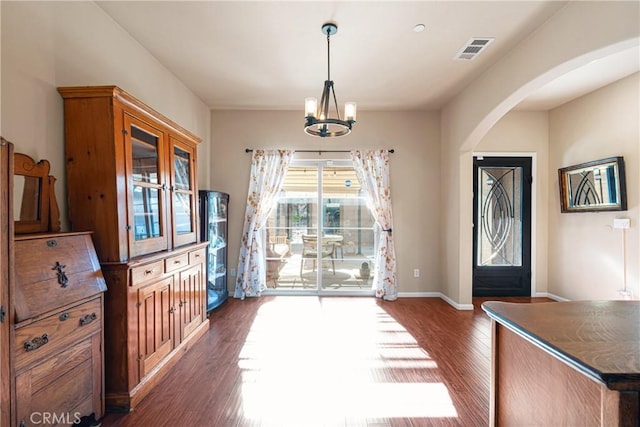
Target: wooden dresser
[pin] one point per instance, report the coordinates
(57, 349)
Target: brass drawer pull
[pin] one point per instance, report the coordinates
(37, 342)
(87, 318)
(62, 276)
(63, 317)
(147, 272)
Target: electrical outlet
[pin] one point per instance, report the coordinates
(232, 272)
(416, 272)
(621, 223)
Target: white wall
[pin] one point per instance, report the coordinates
(51, 44)
(579, 33)
(415, 175)
(521, 133)
(586, 256)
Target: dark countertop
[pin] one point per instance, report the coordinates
(599, 338)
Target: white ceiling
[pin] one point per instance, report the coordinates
(271, 55)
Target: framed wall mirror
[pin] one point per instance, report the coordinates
(30, 194)
(593, 186)
(35, 209)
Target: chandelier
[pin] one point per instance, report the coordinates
(317, 120)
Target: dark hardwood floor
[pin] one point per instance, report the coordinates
(329, 361)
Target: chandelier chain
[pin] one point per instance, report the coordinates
(335, 100)
(328, 54)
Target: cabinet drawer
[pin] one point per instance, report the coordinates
(196, 257)
(68, 384)
(176, 262)
(52, 334)
(147, 272)
(53, 271)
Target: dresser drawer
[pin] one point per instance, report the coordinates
(50, 335)
(196, 257)
(52, 271)
(68, 384)
(146, 272)
(176, 262)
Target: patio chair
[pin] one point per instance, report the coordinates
(280, 244)
(275, 262)
(310, 251)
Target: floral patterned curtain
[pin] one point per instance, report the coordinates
(268, 170)
(372, 169)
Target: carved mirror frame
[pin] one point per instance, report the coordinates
(31, 194)
(34, 201)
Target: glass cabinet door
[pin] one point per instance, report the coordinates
(213, 211)
(183, 199)
(217, 236)
(146, 189)
(219, 254)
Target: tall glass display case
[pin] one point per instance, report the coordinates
(213, 228)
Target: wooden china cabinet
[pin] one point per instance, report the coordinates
(131, 180)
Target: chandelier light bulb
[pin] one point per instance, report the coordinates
(350, 111)
(310, 107)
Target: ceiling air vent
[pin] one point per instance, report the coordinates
(474, 47)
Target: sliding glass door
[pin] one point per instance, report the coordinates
(320, 236)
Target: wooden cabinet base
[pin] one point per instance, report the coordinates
(155, 310)
(562, 394)
(568, 363)
(126, 402)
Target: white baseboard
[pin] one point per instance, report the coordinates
(467, 306)
(436, 295)
(550, 295)
(419, 294)
(455, 304)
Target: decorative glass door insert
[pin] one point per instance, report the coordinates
(500, 230)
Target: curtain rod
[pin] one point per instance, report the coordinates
(250, 150)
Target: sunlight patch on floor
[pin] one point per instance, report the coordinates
(325, 361)
(321, 401)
